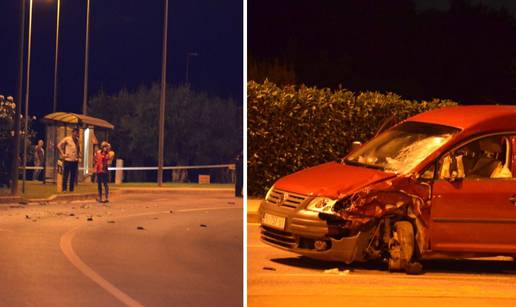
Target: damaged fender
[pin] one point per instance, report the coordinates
(404, 197)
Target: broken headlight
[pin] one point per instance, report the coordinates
(322, 205)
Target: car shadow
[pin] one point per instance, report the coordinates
(462, 266)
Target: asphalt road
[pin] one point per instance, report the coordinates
(173, 249)
(278, 278)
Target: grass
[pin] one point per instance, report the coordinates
(36, 189)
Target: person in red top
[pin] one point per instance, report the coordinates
(102, 160)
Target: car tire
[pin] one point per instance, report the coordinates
(401, 247)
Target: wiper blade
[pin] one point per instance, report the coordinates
(356, 163)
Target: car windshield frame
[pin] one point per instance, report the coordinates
(415, 140)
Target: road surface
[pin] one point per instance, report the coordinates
(278, 278)
(173, 249)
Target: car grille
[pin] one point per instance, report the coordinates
(286, 199)
(278, 237)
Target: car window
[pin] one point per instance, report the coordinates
(484, 158)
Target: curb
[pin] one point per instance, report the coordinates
(252, 210)
(87, 196)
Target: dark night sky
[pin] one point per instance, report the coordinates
(125, 48)
(463, 50)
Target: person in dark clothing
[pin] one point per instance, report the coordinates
(70, 151)
(239, 181)
(102, 161)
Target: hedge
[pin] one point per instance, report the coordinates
(291, 128)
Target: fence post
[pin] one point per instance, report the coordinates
(119, 174)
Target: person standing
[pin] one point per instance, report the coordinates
(102, 161)
(39, 159)
(70, 151)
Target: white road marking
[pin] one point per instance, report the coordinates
(67, 249)
(75, 260)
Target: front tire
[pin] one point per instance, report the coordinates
(401, 246)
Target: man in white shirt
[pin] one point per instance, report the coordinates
(70, 151)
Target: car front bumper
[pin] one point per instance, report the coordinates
(302, 229)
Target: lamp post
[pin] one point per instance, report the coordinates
(19, 93)
(86, 59)
(27, 91)
(54, 109)
(188, 55)
(161, 136)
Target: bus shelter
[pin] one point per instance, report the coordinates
(92, 131)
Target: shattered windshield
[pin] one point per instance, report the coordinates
(400, 149)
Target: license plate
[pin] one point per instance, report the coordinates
(274, 221)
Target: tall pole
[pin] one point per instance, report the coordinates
(54, 109)
(162, 96)
(86, 59)
(19, 93)
(27, 91)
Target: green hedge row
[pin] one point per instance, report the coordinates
(291, 128)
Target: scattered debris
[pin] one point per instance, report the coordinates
(27, 217)
(89, 219)
(111, 222)
(268, 268)
(336, 271)
(156, 218)
(72, 214)
(171, 211)
(140, 228)
(203, 225)
(414, 268)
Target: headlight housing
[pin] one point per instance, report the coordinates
(322, 205)
(269, 193)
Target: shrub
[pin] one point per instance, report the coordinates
(291, 128)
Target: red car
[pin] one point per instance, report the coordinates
(439, 184)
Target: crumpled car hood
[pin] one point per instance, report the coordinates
(331, 179)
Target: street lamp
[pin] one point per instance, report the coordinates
(19, 93)
(161, 134)
(86, 58)
(188, 55)
(27, 90)
(54, 109)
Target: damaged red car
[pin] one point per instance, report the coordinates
(438, 185)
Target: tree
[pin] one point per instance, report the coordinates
(200, 129)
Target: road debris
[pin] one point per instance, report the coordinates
(140, 228)
(336, 271)
(89, 219)
(203, 225)
(171, 211)
(72, 214)
(111, 222)
(268, 268)
(27, 217)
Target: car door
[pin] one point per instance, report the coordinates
(476, 213)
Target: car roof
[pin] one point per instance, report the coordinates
(471, 118)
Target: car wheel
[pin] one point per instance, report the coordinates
(401, 246)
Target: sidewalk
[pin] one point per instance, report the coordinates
(252, 210)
